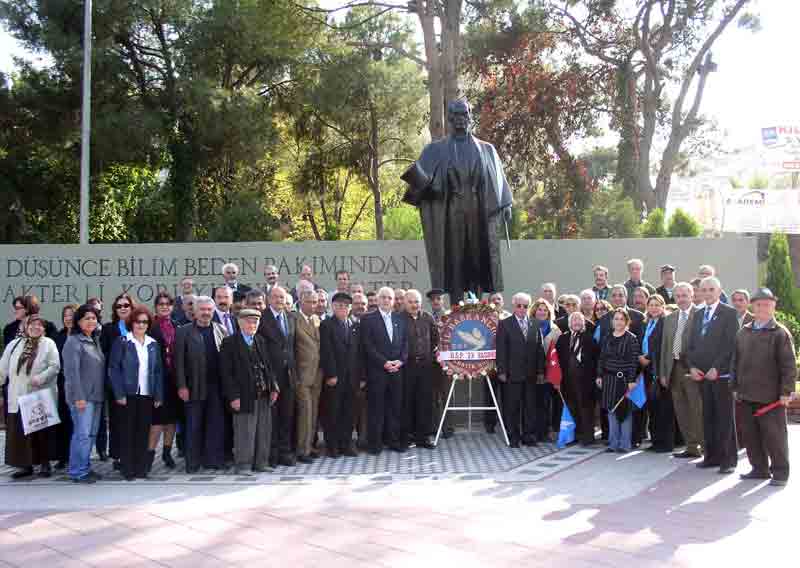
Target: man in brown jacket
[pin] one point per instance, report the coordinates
(764, 373)
(309, 374)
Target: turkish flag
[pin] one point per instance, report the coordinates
(553, 371)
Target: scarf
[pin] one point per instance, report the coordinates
(651, 325)
(577, 345)
(28, 354)
(168, 332)
(545, 326)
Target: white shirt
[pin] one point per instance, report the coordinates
(387, 321)
(228, 325)
(712, 308)
(144, 362)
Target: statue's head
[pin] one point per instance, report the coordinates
(459, 117)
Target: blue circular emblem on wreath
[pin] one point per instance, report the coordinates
(471, 335)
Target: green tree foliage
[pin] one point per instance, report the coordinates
(402, 223)
(681, 224)
(792, 325)
(611, 216)
(779, 275)
(654, 226)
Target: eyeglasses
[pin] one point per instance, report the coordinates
(522, 305)
(123, 306)
(143, 322)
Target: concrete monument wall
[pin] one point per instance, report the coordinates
(60, 274)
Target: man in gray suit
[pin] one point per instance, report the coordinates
(674, 374)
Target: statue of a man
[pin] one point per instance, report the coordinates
(463, 198)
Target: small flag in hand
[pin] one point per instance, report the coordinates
(566, 433)
(638, 395)
(553, 371)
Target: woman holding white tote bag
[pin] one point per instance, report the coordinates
(29, 363)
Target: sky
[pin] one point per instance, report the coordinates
(757, 84)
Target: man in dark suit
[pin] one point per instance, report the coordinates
(619, 299)
(278, 328)
(338, 342)
(423, 342)
(520, 358)
(250, 389)
(708, 354)
(197, 376)
(223, 298)
(385, 342)
(230, 273)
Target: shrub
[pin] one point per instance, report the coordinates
(681, 224)
(792, 325)
(654, 226)
(779, 274)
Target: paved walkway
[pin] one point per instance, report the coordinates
(642, 510)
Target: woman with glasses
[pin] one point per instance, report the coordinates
(659, 409)
(63, 431)
(601, 308)
(136, 372)
(30, 363)
(166, 416)
(107, 441)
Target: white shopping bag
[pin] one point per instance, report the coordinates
(38, 411)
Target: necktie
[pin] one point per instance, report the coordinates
(706, 320)
(282, 323)
(676, 341)
(523, 326)
(228, 324)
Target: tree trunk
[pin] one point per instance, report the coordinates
(427, 15)
(182, 174)
(451, 48)
(374, 172)
(634, 185)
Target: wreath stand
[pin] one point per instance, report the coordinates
(469, 408)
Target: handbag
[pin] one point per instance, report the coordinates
(38, 411)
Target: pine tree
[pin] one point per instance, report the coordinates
(779, 274)
(654, 226)
(681, 224)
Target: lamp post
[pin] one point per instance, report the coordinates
(86, 120)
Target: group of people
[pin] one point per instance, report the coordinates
(248, 377)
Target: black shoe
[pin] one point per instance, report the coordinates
(610, 450)
(685, 454)
(314, 455)
(514, 444)
(707, 464)
(148, 460)
(726, 470)
(192, 470)
(349, 452)
(94, 475)
(103, 456)
(447, 434)
(663, 451)
(22, 473)
(61, 464)
(87, 479)
(305, 459)
(288, 461)
(399, 448)
(129, 477)
(115, 464)
(754, 475)
(779, 482)
(374, 451)
(529, 442)
(427, 444)
(45, 471)
(333, 453)
(490, 428)
(166, 457)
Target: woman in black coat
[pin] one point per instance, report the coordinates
(577, 355)
(62, 433)
(107, 440)
(659, 409)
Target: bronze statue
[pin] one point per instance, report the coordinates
(463, 198)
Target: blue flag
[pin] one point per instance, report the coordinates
(638, 395)
(566, 433)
